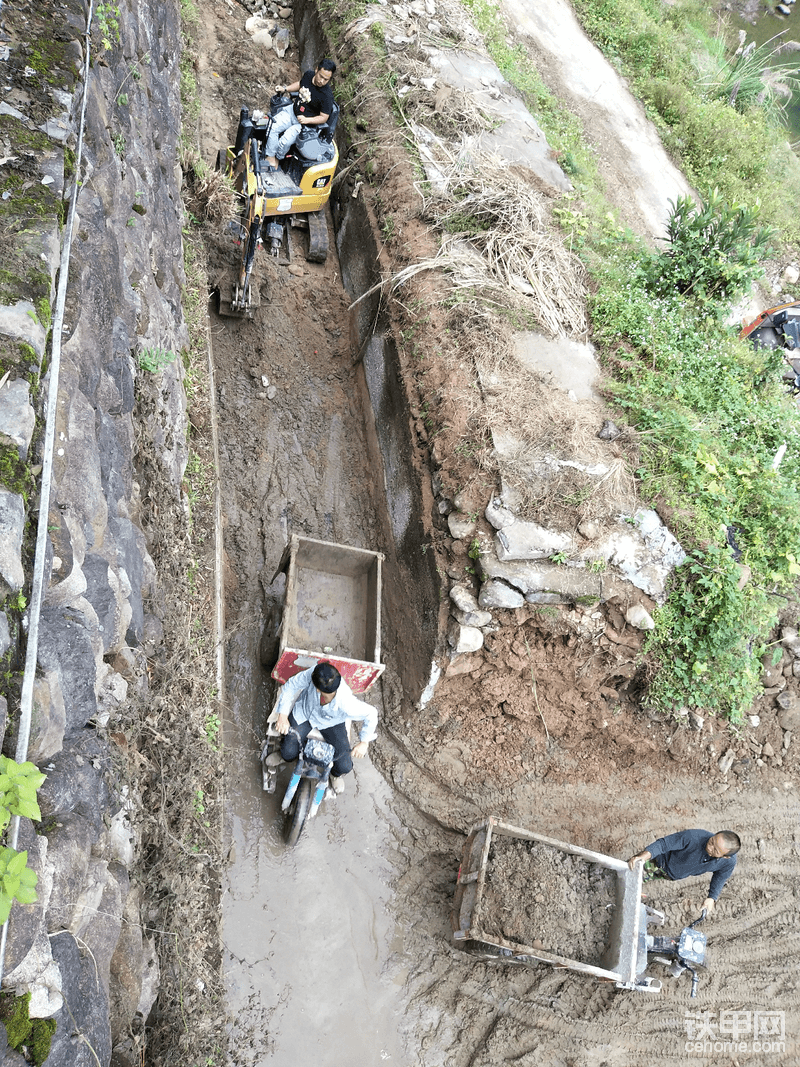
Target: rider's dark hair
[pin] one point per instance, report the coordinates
(730, 841)
(327, 64)
(326, 678)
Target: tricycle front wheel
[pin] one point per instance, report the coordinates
(298, 812)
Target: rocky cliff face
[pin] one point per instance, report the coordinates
(80, 949)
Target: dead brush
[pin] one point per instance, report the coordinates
(211, 195)
(498, 248)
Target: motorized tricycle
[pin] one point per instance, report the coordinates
(331, 611)
(628, 948)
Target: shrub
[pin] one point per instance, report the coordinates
(715, 250)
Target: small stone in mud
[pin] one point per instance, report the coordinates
(272, 392)
(265, 381)
(296, 270)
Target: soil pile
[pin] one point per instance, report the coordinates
(540, 897)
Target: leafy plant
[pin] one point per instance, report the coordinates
(474, 549)
(108, 23)
(213, 725)
(18, 785)
(155, 359)
(715, 250)
(559, 557)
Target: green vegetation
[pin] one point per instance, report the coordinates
(715, 109)
(15, 475)
(155, 359)
(107, 15)
(18, 785)
(711, 414)
(35, 1034)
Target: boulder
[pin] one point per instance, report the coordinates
(472, 618)
(12, 527)
(527, 540)
(640, 617)
(85, 1010)
(498, 515)
(497, 594)
(544, 583)
(464, 638)
(17, 417)
(463, 598)
(460, 526)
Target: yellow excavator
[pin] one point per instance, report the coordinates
(301, 186)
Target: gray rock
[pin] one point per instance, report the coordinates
(786, 701)
(609, 431)
(789, 636)
(696, 721)
(726, 762)
(37, 974)
(86, 1008)
(498, 515)
(588, 530)
(461, 526)
(789, 718)
(496, 594)
(17, 417)
(463, 638)
(5, 636)
(12, 527)
(527, 540)
(543, 582)
(20, 322)
(771, 677)
(463, 598)
(472, 618)
(65, 648)
(48, 718)
(637, 615)
(281, 42)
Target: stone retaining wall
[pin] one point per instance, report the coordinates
(80, 949)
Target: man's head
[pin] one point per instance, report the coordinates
(326, 678)
(723, 843)
(326, 68)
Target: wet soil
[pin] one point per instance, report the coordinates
(544, 728)
(543, 898)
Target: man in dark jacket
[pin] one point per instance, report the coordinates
(691, 852)
(312, 108)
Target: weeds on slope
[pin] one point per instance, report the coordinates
(711, 414)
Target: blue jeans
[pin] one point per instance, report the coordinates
(334, 735)
(284, 131)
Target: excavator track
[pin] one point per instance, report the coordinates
(317, 236)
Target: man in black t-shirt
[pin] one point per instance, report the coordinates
(312, 108)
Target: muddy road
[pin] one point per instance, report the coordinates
(339, 950)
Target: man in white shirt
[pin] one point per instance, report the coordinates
(320, 698)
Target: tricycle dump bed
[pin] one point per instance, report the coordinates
(618, 962)
(332, 611)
